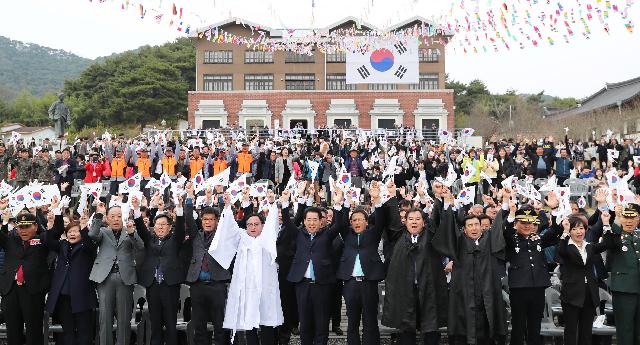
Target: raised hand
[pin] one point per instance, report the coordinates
(601, 195)
(566, 226)
(605, 217)
(55, 203)
(101, 208)
(391, 187)
(374, 190)
(226, 198)
(130, 227)
(552, 200)
(285, 196)
(189, 189)
(135, 203)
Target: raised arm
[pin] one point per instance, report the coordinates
(53, 236)
(141, 227)
(94, 232)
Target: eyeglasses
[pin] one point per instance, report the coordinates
(253, 224)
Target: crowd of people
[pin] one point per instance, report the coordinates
(272, 234)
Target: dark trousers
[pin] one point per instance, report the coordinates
(561, 180)
(408, 336)
(361, 299)
(626, 310)
(314, 308)
(289, 304)
(163, 312)
(267, 336)
(527, 306)
(22, 308)
(207, 305)
(336, 306)
(578, 321)
(76, 327)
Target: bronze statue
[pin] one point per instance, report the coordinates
(59, 112)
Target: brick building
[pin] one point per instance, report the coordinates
(245, 87)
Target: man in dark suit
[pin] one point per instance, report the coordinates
(164, 268)
(25, 279)
(209, 281)
(313, 272)
(361, 269)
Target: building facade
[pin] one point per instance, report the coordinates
(236, 86)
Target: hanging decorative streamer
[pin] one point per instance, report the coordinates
(471, 28)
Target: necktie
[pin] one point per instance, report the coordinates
(358, 268)
(312, 275)
(20, 272)
(205, 263)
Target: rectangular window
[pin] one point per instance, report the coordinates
(429, 55)
(337, 57)
(383, 86)
(300, 81)
(258, 81)
(252, 56)
(428, 81)
(291, 57)
(338, 82)
(218, 56)
(218, 82)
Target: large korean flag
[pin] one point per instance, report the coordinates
(395, 62)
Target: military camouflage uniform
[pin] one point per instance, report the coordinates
(5, 158)
(23, 171)
(43, 170)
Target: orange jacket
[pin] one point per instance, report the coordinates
(169, 166)
(219, 165)
(117, 167)
(195, 166)
(244, 162)
(144, 167)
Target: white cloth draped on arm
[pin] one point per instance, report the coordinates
(254, 296)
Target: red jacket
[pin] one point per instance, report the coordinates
(93, 174)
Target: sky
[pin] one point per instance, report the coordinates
(100, 27)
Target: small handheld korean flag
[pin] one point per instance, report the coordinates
(221, 179)
(509, 182)
(355, 193)
(390, 170)
(5, 188)
(612, 178)
(486, 177)
(165, 181)
(132, 183)
(582, 202)
(444, 134)
(198, 182)
(259, 189)
(392, 62)
(550, 185)
(15, 136)
(37, 196)
(236, 187)
(467, 195)
(626, 197)
(152, 184)
(467, 132)
(291, 185)
(468, 172)
(92, 189)
(612, 154)
(344, 181)
(313, 166)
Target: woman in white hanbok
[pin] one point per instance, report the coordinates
(254, 297)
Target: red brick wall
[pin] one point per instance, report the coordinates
(320, 101)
